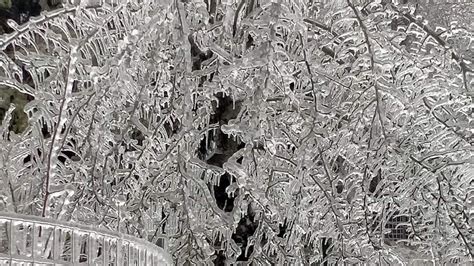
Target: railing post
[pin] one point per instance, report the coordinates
(73, 247)
(91, 249)
(33, 240)
(12, 238)
(55, 244)
(119, 248)
(129, 253)
(137, 255)
(105, 251)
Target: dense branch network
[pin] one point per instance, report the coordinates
(287, 132)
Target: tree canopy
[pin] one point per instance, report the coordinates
(274, 132)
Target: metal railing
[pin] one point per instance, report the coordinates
(27, 240)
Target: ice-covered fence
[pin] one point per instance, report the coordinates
(29, 239)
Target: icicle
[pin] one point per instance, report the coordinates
(233, 101)
(207, 141)
(247, 249)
